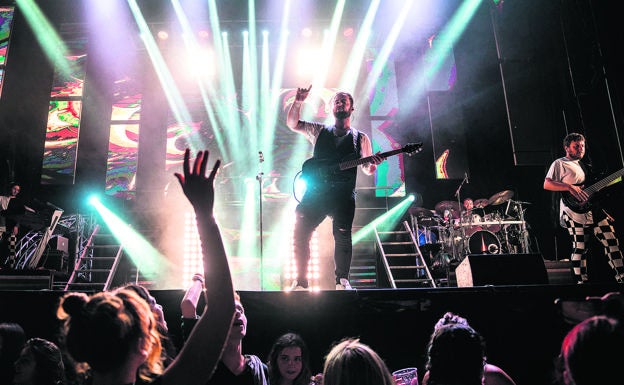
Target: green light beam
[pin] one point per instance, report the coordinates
(53, 46)
(250, 138)
(386, 50)
(192, 47)
(356, 57)
(440, 49)
(172, 93)
(270, 123)
(329, 43)
(385, 222)
(145, 257)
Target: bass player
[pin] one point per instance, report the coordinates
(333, 195)
(567, 174)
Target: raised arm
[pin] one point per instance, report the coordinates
(294, 112)
(202, 351)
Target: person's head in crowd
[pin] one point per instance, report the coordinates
(112, 330)
(238, 331)
(289, 361)
(455, 355)
(590, 352)
(39, 363)
(12, 339)
(351, 362)
(156, 308)
(450, 318)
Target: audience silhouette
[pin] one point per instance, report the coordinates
(590, 352)
(460, 352)
(12, 339)
(115, 332)
(39, 363)
(351, 362)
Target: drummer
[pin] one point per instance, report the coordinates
(469, 215)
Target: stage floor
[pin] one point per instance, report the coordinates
(521, 324)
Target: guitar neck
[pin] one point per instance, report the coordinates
(356, 162)
(604, 182)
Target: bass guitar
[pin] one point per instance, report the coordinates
(317, 171)
(583, 207)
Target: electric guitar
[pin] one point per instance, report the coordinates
(583, 207)
(317, 171)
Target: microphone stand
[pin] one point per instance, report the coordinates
(259, 178)
(462, 228)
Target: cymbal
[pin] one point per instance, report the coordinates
(421, 212)
(501, 197)
(481, 203)
(451, 206)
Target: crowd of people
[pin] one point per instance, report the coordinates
(121, 337)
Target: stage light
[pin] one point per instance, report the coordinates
(306, 32)
(307, 62)
(348, 32)
(203, 34)
(93, 200)
(163, 35)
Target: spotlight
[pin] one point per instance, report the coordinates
(306, 32)
(203, 34)
(162, 35)
(93, 200)
(348, 32)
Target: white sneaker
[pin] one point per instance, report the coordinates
(343, 285)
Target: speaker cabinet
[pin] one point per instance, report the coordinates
(559, 272)
(501, 269)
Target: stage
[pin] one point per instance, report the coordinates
(521, 324)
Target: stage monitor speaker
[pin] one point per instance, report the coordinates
(560, 272)
(501, 269)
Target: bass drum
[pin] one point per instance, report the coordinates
(484, 242)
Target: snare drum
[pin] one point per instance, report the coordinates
(484, 242)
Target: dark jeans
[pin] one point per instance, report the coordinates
(309, 214)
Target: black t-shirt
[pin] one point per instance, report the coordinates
(223, 376)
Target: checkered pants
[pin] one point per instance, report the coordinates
(604, 232)
(11, 241)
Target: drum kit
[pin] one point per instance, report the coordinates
(449, 233)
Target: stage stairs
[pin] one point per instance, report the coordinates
(364, 266)
(97, 264)
(402, 259)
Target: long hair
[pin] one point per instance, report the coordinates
(455, 355)
(351, 362)
(286, 341)
(102, 330)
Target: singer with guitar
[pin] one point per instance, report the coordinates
(332, 194)
(578, 213)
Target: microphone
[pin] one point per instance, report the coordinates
(261, 156)
(466, 178)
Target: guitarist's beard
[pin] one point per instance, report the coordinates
(342, 114)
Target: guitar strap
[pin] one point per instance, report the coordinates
(586, 169)
(357, 141)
